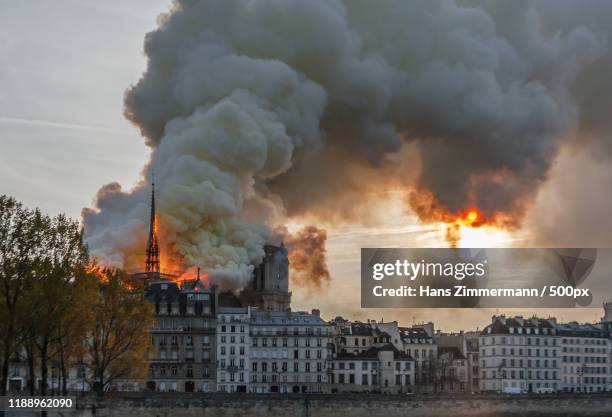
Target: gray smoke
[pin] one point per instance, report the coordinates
(258, 110)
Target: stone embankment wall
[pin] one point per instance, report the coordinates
(217, 405)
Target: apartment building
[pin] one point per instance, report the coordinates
(357, 337)
(472, 355)
(289, 352)
(451, 370)
(419, 344)
(416, 342)
(377, 369)
(233, 349)
(585, 357)
(520, 355)
(183, 337)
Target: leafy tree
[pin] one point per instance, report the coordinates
(70, 346)
(21, 237)
(64, 262)
(58, 308)
(118, 341)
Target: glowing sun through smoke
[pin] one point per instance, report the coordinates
(472, 230)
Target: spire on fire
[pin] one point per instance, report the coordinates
(152, 263)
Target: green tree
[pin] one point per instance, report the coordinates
(64, 261)
(118, 340)
(21, 237)
(70, 344)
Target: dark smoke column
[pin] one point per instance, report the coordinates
(260, 110)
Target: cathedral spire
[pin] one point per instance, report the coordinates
(152, 262)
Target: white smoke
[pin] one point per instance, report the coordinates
(243, 102)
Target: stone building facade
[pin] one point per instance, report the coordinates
(585, 358)
(183, 337)
(289, 352)
(520, 355)
(269, 287)
(377, 369)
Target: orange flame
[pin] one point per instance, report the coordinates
(430, 210)
(97, 271)
(472, 216)
(191, 274)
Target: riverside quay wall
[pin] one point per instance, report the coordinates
(236, 405)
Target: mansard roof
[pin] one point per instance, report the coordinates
(415, 335)
(502, 325)
(372, 353)
(292, 318)
(164, 293)
(452, 351)
(581, 330)
(361, 329)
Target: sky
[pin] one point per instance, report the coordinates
(64, 68)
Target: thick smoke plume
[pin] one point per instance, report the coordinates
(260, 110)
(308, 257)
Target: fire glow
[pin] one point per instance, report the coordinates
(471, 229)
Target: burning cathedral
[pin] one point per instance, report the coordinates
(267, 290)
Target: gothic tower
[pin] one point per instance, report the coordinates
(269, 287)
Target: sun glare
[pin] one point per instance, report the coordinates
(483, 237)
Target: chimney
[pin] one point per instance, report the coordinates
(316, 312)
